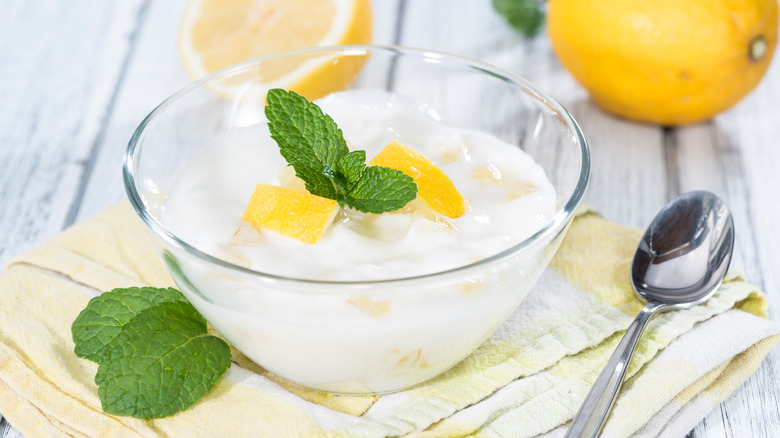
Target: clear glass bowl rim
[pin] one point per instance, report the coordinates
(552, 227)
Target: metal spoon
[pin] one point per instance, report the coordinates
(680, 262)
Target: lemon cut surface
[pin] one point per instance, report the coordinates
(215, 34)
(289, 212)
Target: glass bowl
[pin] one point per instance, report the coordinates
(313, 333)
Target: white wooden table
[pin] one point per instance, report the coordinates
(77, 77)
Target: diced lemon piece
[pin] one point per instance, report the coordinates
(228, 253)
(287, 178)
(375, 308)
(246, 234)
(295, 214)
(491, 176)
(432, 184)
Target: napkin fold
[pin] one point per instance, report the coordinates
(528, 379)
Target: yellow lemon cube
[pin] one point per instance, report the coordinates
(432, 184)
(289, 212)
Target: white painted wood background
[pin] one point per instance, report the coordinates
(77, 77)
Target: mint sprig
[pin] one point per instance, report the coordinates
(155, 354)
(314, 146)
(525, 16)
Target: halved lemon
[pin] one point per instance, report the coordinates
(216, 33)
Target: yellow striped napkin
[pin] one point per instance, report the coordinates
(527, 380)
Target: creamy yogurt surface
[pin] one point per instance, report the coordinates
(509, 198)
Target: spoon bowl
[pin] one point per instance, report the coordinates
(685, 252)
(680, 262)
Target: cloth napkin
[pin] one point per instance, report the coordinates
(528, 379)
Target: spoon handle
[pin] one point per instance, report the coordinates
(597, 405)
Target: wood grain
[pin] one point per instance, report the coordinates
(737, 155)
(7, 431)
(59, 67)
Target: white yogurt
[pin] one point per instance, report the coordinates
(509, 195)
(362, 338)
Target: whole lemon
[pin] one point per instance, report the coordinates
(665, 61)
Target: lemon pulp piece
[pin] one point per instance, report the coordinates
(491, 176)
(375, 308)
(432, 184)
(215, 34)
(295, 214)
(287, 178)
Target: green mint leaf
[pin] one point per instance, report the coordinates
(308, 139)
(525, 16)
(314, 146)
(161, 362)
(381, 189)
(103, 318)
(351, 167)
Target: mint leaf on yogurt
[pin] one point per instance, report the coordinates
(315, 147)
(161, 362)
(351, 167)
(308, 139)
(103, 318)
(381, 189)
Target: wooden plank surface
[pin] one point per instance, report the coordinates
(76, 82)
(59, 67)
(736, 155)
